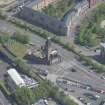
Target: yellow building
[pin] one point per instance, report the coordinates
(47, 2)
(39, 4)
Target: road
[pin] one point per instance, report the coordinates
(69, 61)
(72, 32)
(3, 99)
(3, 71)
(67, 56)
(62, 69)
(18, 6)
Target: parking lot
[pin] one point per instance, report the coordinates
(79, 74)
(63, 69)
(82, 92)
(3, 70)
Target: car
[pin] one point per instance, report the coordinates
(88, 103)
(88, 88)
(103, 77)
(73, 70)
(102, 91)
(97, 90)
(64, 81)
(43, 72)
(91, 71)
(71, 90)
(97, 96)
(81, 99)
(103, 103)
(46, 102)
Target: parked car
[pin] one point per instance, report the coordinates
(103, 77)
(88, 103)
(44, 72)
(81, 99)
(97, 96)
(73, 70)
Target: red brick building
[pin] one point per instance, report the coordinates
(92, 3)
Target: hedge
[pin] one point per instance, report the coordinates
(4, 89)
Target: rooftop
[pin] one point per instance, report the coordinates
(34, 2)
(15, 77)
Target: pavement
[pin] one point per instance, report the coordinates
(3, 70)
(3, 99)
(74, 99)
(62, 69)
(71, 34)
(52, 103)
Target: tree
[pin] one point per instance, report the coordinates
(24, 96)
(21, 37)
(93, 40)
(4, 38)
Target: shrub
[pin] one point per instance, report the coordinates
(4, 89)
(4, 38)
(21, 37)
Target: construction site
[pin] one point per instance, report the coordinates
(46, 54)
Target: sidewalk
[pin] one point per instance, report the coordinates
(75, 100)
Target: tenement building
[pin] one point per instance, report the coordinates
(52, 24)
(39, 4)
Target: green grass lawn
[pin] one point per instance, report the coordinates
(1, 62)
(16, 48)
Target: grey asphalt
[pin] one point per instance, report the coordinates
(3, 99)
(69, 61)
(67, 56)
(62, 69)
(3, 69)
(5, 26)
